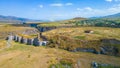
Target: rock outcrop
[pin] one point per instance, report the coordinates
(109, 50)
(91, 50)
(28, 41)
(102, 65)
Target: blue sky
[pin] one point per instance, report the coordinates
(58, 9)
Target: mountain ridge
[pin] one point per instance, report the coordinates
(14, 19)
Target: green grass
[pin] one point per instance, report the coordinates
(51, 24)
(80, 37)
(62, 64)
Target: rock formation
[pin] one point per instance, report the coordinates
(28, 41)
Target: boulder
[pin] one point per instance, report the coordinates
(15, 38)
(25, 40)
(88, 31)
(29, 41)
(10, 37)
(36, 42)
(95, 65)
(19, 38)
(109, 50)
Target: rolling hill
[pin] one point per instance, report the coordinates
(113, 16)
(105, 21)
(13, 19)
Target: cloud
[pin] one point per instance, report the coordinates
(109, 0)
(112, 0)
(56, 5)
(88, 11)
(61, 5)
(69, 4)
(115, 8)
(84, 9)
(41, 6)
(88, 8)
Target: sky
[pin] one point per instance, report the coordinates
(58, 9)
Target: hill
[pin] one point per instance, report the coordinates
(105, 21)
(113, 16)
(13, 19)
(22, 55)
(64, 23)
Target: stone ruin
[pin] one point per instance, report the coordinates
(27, 41)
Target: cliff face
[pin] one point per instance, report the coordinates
(106, 47)
(110, 47)
(43, 29)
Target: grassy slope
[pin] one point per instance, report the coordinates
(99, 32)
(69, 22)
(71, 37)
(22, 56)
(7, 29)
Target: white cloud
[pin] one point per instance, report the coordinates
(60, 4)
(109, 0)
(88, 8)
(41, 6)
(85, 9)
(69, 4)
(112, 0)
(115, 8)
(88, 12)
(56, 5)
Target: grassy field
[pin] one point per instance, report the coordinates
(99, 33)
(69, 22)
(22, 56)
(5, 30)
(71, 38)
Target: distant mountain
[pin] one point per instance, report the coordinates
(113, 16)
(79, 18)
(73, 20)
(13, 19)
